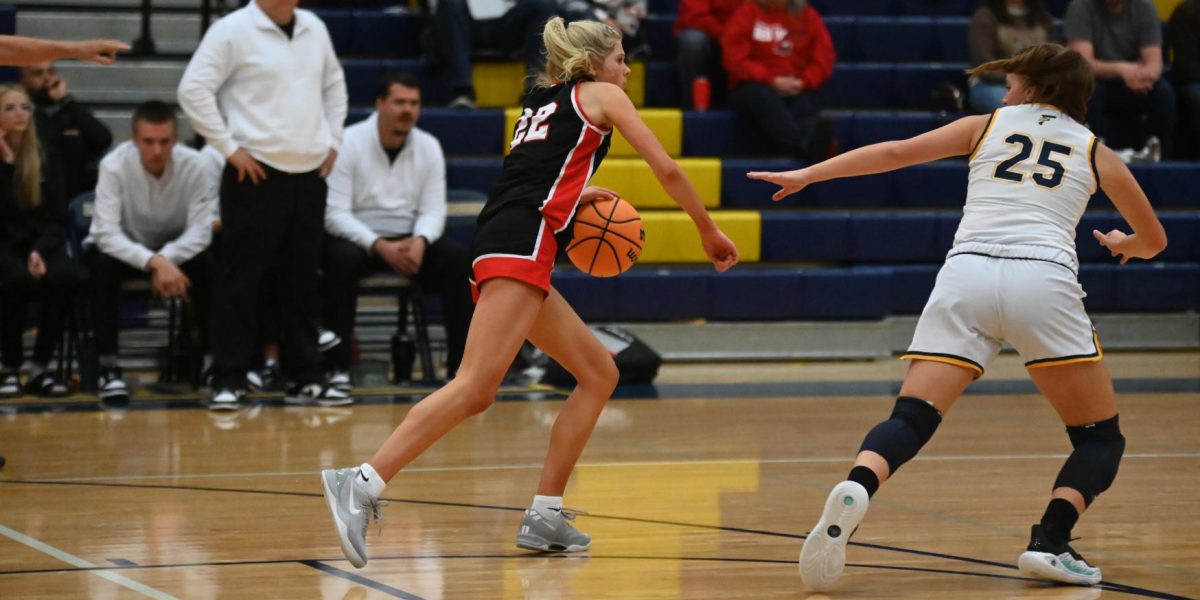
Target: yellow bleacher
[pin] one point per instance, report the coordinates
(635, 182)
(499, 84)
(671, 237)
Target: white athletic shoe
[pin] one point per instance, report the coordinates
(824, 553)
(1055, 562)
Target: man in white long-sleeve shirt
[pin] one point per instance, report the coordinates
(266, 90)
(153, 214)
(386, 211)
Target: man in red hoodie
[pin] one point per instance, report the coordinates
(699, 28)
(777, 54)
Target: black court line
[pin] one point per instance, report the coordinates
(359, 579)
(320, 564)
(1116, 587)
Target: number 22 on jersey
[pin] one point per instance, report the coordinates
(532, 127)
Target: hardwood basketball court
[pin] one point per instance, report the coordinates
(702, 494)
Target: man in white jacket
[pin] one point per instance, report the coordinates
(266, 90)
(152, 215)
(386, 210)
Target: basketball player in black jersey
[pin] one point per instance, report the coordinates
(557, 145)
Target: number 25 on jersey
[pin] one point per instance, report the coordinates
(532, 127)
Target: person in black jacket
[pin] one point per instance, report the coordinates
(70, 134)
(33, 244)
(1185, 71)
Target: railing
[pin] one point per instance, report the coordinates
(144, 44)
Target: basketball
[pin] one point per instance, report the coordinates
(608, 238)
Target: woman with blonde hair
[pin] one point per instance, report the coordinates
(1012, 275)
(556, 146)
(33, 250)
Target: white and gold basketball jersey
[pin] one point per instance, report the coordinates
(1032, 174)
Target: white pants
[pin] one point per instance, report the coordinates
(980, 302)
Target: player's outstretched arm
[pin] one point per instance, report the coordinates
(1148, 238)
(21, 51)
(618, 110)
(955, 139)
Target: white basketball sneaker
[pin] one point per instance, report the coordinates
(1055, 562)
(824, 553)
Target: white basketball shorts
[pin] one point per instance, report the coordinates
(979, 302)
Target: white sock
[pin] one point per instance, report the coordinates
(369, 481)
(544, 504)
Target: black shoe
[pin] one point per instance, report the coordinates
(1053, 561)
(266, 379)
(316, 393)
(2, 461)
(46, 385)
(10, 384)
(225, 399)
(113, 391)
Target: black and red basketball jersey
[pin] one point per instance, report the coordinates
(554, 151)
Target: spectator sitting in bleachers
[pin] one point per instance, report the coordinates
(1122, 39)
(386, 211)
(1185, 70)
(625, 16)
(777, 54)
(33, 250)
(1000, 29)
(699, 26)
(70, 134)
(155, 201)
(505, 26)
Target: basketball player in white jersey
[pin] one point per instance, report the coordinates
(1011, 276)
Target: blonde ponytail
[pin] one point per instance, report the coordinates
(575, 50)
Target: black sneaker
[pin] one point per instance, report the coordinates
(113, 390)
(316, 393)
(46, 385)
(225, 399)
(10, 384)
(1045, 559)
(266, 379)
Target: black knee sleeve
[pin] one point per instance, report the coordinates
(899, 438)
(1092, 467)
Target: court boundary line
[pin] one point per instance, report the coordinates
(71, 559)
(359, 579)
(1113, 586)
(321, 564)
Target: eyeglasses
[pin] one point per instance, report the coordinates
(27, 107)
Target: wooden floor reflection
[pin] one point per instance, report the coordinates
(689, 498)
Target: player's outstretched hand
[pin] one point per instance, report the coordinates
(99, 51)
(720, 250)
(789, 182)
(593, 193)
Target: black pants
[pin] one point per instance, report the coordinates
(1125, 118)
(446, 269)
(107, 275)
(55, 293)
(787, 121)
(280, 220)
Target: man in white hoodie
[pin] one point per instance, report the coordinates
(154, 208)
(386, 210)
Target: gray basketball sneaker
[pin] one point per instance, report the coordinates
(352, 512)
(824, 553)
(555, 534)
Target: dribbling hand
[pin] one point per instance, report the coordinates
(593, 193)
(789, 182)
(720, 250)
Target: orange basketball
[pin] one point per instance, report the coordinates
(608, 238)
